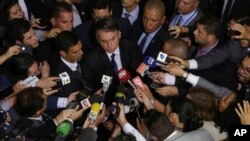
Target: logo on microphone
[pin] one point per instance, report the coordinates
(162, 57)
(122, 74)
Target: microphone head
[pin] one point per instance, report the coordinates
(95, 107)
(95, 98)
(150, 61)
(133, 102)
(123, 75)
(120, 97)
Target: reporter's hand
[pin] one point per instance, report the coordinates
(174, 70)
(244, 113)
(143, 99)
(47, 82)
(72, 97)
(121, 118)
(167, 91)
(175, 30)
(44, 69)
(77, 113)
(244, 31)
(101, 116)
(50, 91)
(52, 33)
(64, 115)
(13, 50)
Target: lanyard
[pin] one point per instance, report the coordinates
(188, 20)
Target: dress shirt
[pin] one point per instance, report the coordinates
(133, 14)
(76, 17)
(205, 50)
(40, 118)
(117, 58)
(186, 19)
(149, 39)
(72, 66)
(129, 129)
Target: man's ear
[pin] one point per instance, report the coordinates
(120, 34)
(62, 53)
(53, 21)
(18, 42)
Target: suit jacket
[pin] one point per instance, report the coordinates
(86, 32)
(196, 135)
(58, 66)
(192, 24)
(230, 51)
(97, 63)
(156, 43)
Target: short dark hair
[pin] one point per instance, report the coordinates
(125, 137)
(107, 24)
(61, 6)
(100, 4)
(29, 101)
(5, 7)
(158, 124)
(66, 40)
(17, 28)
(211, 24)
(156, 4)
(19, 65)
(185, 110)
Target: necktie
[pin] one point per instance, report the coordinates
(227, 11)
(78, 68)
(115, 68)
(127, 15)
(178, 21)
(143, 41)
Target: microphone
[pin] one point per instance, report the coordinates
(143, 69)
(106, 81)
(138, 82)
(65, 128)
(164, 59)
(95, 108)
(124, 76)
(86, 103)
(133, 102)
(152, 63)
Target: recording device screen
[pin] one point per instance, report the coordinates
(5, 87)
(25, 48)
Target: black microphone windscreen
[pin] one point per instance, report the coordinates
(96, 98)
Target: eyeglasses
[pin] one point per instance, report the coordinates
(244, 68)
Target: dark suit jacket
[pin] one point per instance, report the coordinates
(97, 63)
(192, 24)
(58, 66)
(156, 43)
(230, 51)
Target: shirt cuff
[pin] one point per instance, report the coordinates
(127, 128)
(39, 35)
(5, 106)
(61, 102)
(193, 79)
(193, 64)
(169, 79)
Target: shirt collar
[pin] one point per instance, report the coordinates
(40, 118)
(207, 49)
(151, 35)
(175, 132)
(134, 13)
(117, 52)
(72, 66)
(187, 16)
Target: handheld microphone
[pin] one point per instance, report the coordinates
(152, 63)
(124, 76)
(133, 102)
(138, 82)
(95, 108)
(106, 81)
(164, 59)
(143, 69)
(86, 103)
(65, 128)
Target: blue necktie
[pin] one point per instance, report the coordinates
(115, 68)
(127, 15)
(143, 41)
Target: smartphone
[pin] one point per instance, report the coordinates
(25, 48)
(30, 81)
(154, 85)
(233, 33)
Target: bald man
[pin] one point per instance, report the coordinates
(147, 33)
(176, 47)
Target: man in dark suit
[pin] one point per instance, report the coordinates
(184, 19)
(102, 9)
(112, 54)
(148, 33)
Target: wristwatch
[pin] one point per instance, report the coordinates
(185, 75)
(152, 100)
